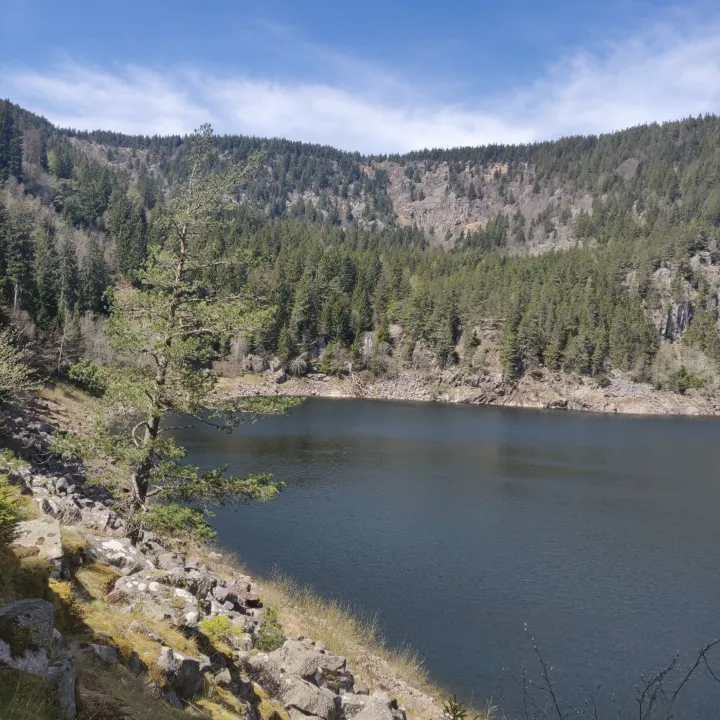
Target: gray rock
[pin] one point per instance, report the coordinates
(311, 662)
(195, 563)
(184, 674)
(380, 706)
(309, 699)
(352, 704)
(42, 537)
(170, 560)
(108, 655)
(117, 552)
(172, 699)
(27, 624)
(134, 664)
(62, 675)
(159, 601)
(242, 642)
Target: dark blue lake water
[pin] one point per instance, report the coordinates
(458, 525)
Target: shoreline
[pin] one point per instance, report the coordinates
(389, 681)
(540, 391)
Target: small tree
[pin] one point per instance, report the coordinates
(165, 334)
(17, 379)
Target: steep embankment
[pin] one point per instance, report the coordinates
(94, 626)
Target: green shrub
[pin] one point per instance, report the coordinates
(10, 511)
(218, 629)
(682, 380)
(269, 637)
(178, 522)
(89, 376)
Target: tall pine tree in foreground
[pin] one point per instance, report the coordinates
(165, 333)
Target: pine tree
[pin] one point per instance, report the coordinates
(165, 333)
(127, 226)
(10, 144)
(68, 276)
(46, 276)
(95, 278)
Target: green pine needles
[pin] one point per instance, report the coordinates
(165, 332)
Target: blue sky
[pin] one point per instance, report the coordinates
(376, 76)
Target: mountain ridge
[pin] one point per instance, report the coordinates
(587, 255)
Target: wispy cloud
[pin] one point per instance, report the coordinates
(665, 74)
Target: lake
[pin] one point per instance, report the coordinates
(458, 525)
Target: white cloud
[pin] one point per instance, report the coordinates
(667, 74)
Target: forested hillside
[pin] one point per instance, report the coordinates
(584, 256)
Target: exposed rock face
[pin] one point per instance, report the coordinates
(678, 320)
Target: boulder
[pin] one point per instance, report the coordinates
(42, 539)
(29, 642)
(27, 625)
(380, 706)
(104, 653)
(184, 674)
(312, 663)
(117, 552)
(62, 675)
(158, 600)
(280, 377)
(301, 695)
(170, 560)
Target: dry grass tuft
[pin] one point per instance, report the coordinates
(25, 697)
(74, 546)
(96, 581)
(67, 611)
(112, 693)
(341, 629)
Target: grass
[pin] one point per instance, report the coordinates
(25, 697)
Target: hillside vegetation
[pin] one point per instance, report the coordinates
(588, 255)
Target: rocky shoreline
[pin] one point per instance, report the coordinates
(539, 389)
(78, 529)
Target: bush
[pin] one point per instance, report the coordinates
(682, 381)
(89, 376)
(17, 380)
(178, 522)
(269, 637)
(217, 629)
(10, 511)
(298, 366)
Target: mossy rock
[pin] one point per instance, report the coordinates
(268, 709)
(27, 625)
(67, 613)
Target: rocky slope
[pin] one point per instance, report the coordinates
(540, 389)
(115, 629)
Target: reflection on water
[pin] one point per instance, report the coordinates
(457, 525)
